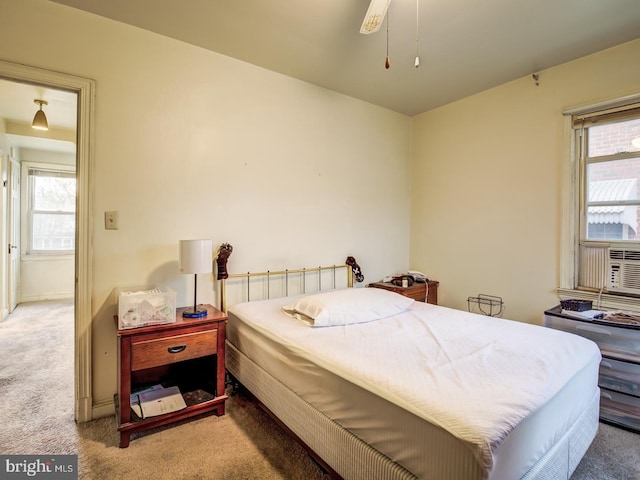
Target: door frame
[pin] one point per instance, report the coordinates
(85, 89)
(14, 232)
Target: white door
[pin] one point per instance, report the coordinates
(4, 239)
(14, 233)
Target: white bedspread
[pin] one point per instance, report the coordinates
(475, 376)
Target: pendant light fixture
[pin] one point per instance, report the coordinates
(40, 119)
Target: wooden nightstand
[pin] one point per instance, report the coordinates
(416, 291)
(188, 354)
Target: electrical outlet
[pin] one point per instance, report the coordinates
(111, 220)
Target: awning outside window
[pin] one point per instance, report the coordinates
(613, 191)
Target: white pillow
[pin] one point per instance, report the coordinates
(348, 306)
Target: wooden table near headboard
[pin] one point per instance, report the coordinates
(417, 291)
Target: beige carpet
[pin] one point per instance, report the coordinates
(243, 444)
(36, 385)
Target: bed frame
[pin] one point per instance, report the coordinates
(307, 280)
(342, 454)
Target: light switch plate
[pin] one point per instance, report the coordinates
(111, 220)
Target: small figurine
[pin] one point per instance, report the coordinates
(223, 255)
(357, 271)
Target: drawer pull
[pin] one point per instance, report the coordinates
(606, 395)
(594, 329)
(176, 349)
(606, 364)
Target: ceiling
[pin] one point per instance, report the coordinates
(17, 108)
(465, 46)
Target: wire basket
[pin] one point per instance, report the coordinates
(487, 304)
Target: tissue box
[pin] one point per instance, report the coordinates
(139, 308)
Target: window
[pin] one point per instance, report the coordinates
(611, 166)
(52, 210)
(607, 146)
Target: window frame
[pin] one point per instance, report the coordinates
(60, 169)
(573, 200)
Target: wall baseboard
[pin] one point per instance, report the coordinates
(103, 409)
(41, 298)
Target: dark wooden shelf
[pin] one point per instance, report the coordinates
(188, 354)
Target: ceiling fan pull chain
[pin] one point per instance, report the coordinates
(417, 62)
(387, 64)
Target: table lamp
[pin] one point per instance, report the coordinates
(196, 257)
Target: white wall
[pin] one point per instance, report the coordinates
(192, 144)
(489, 175)
(46, 278)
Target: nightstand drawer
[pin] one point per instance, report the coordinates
(620, 408)
(619, 376)
(163, 351)
(614, 341)
(419, 293)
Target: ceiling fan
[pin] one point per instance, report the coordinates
(375, 16)
(373, 21)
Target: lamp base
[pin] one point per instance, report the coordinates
(195, 312)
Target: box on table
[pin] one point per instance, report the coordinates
(576, 305)
(140, 307)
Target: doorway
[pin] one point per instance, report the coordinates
(84, 90)
(41, 166)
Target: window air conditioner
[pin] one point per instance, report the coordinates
(624, 271)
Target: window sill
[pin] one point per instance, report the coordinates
(604, 301)
(46, 257)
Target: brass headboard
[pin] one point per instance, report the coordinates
(305, 280)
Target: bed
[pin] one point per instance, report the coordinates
(380, 386)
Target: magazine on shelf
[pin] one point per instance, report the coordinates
(157, 400)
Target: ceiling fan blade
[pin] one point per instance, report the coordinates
(375, 16)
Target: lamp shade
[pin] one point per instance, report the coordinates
(196, 256)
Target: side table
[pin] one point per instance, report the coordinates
(418, 291)
(188, 354)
